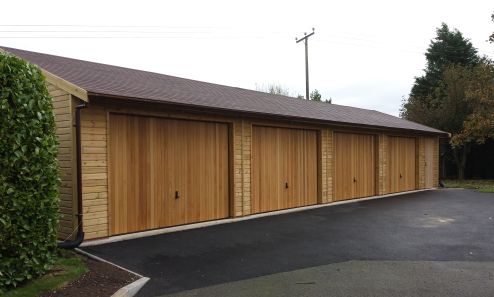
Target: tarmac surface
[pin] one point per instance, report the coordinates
(432, 243)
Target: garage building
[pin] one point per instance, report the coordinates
(147, 151)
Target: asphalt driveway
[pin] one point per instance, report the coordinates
(426, 243)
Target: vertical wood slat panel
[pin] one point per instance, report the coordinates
(355, 165)
(410, 164)
(130, 174)
(429, 162)
(343, 166)
(265, 168)
(283, 156)
(402, 164)
(394, 164)
(151, 158)
(206, 170)
(365, 166)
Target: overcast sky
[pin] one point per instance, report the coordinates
(364, 53)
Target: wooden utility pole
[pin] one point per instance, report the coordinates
(306, 41)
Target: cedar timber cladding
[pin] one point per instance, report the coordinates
(311, 138)
(241, 167)
(284, 168)
(355, 166)
(95, 139)
(435, 162)
(428, 162)
(63, 111)
(383, 165)
(402, 156)
(422, 171)
(326, 165)
(426, 165)
(94, 172)
(166, 172)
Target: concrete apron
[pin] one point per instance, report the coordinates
(365, 278)
(233, 220)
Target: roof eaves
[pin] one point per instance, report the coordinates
(66, 85)
(279, 116)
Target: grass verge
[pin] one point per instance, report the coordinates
(67, 268)
(486, 186)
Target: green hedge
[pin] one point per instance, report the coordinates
(28, 173)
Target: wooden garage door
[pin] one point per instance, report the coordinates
(166, 172)
(402, 164)
(284, 168)
(354, 167)
(429, 173)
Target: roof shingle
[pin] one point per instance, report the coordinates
(107, 80)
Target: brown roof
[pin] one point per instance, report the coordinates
(107, 80)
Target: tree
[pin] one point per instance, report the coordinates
(479, 124)
(491, 38)
(438, 98)
(278, 90)
(463, 104)
(451, 109)
(448, 47)
(275, 89)
(316, 96)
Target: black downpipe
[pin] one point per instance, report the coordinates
(71, 244)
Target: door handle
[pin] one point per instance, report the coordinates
(286, 185)
(177, 194)
(401, 175)
(354, 180)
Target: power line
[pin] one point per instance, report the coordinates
(392, 47)
(132, 37)
(203, 34)
(103, 31)
(100, 26)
